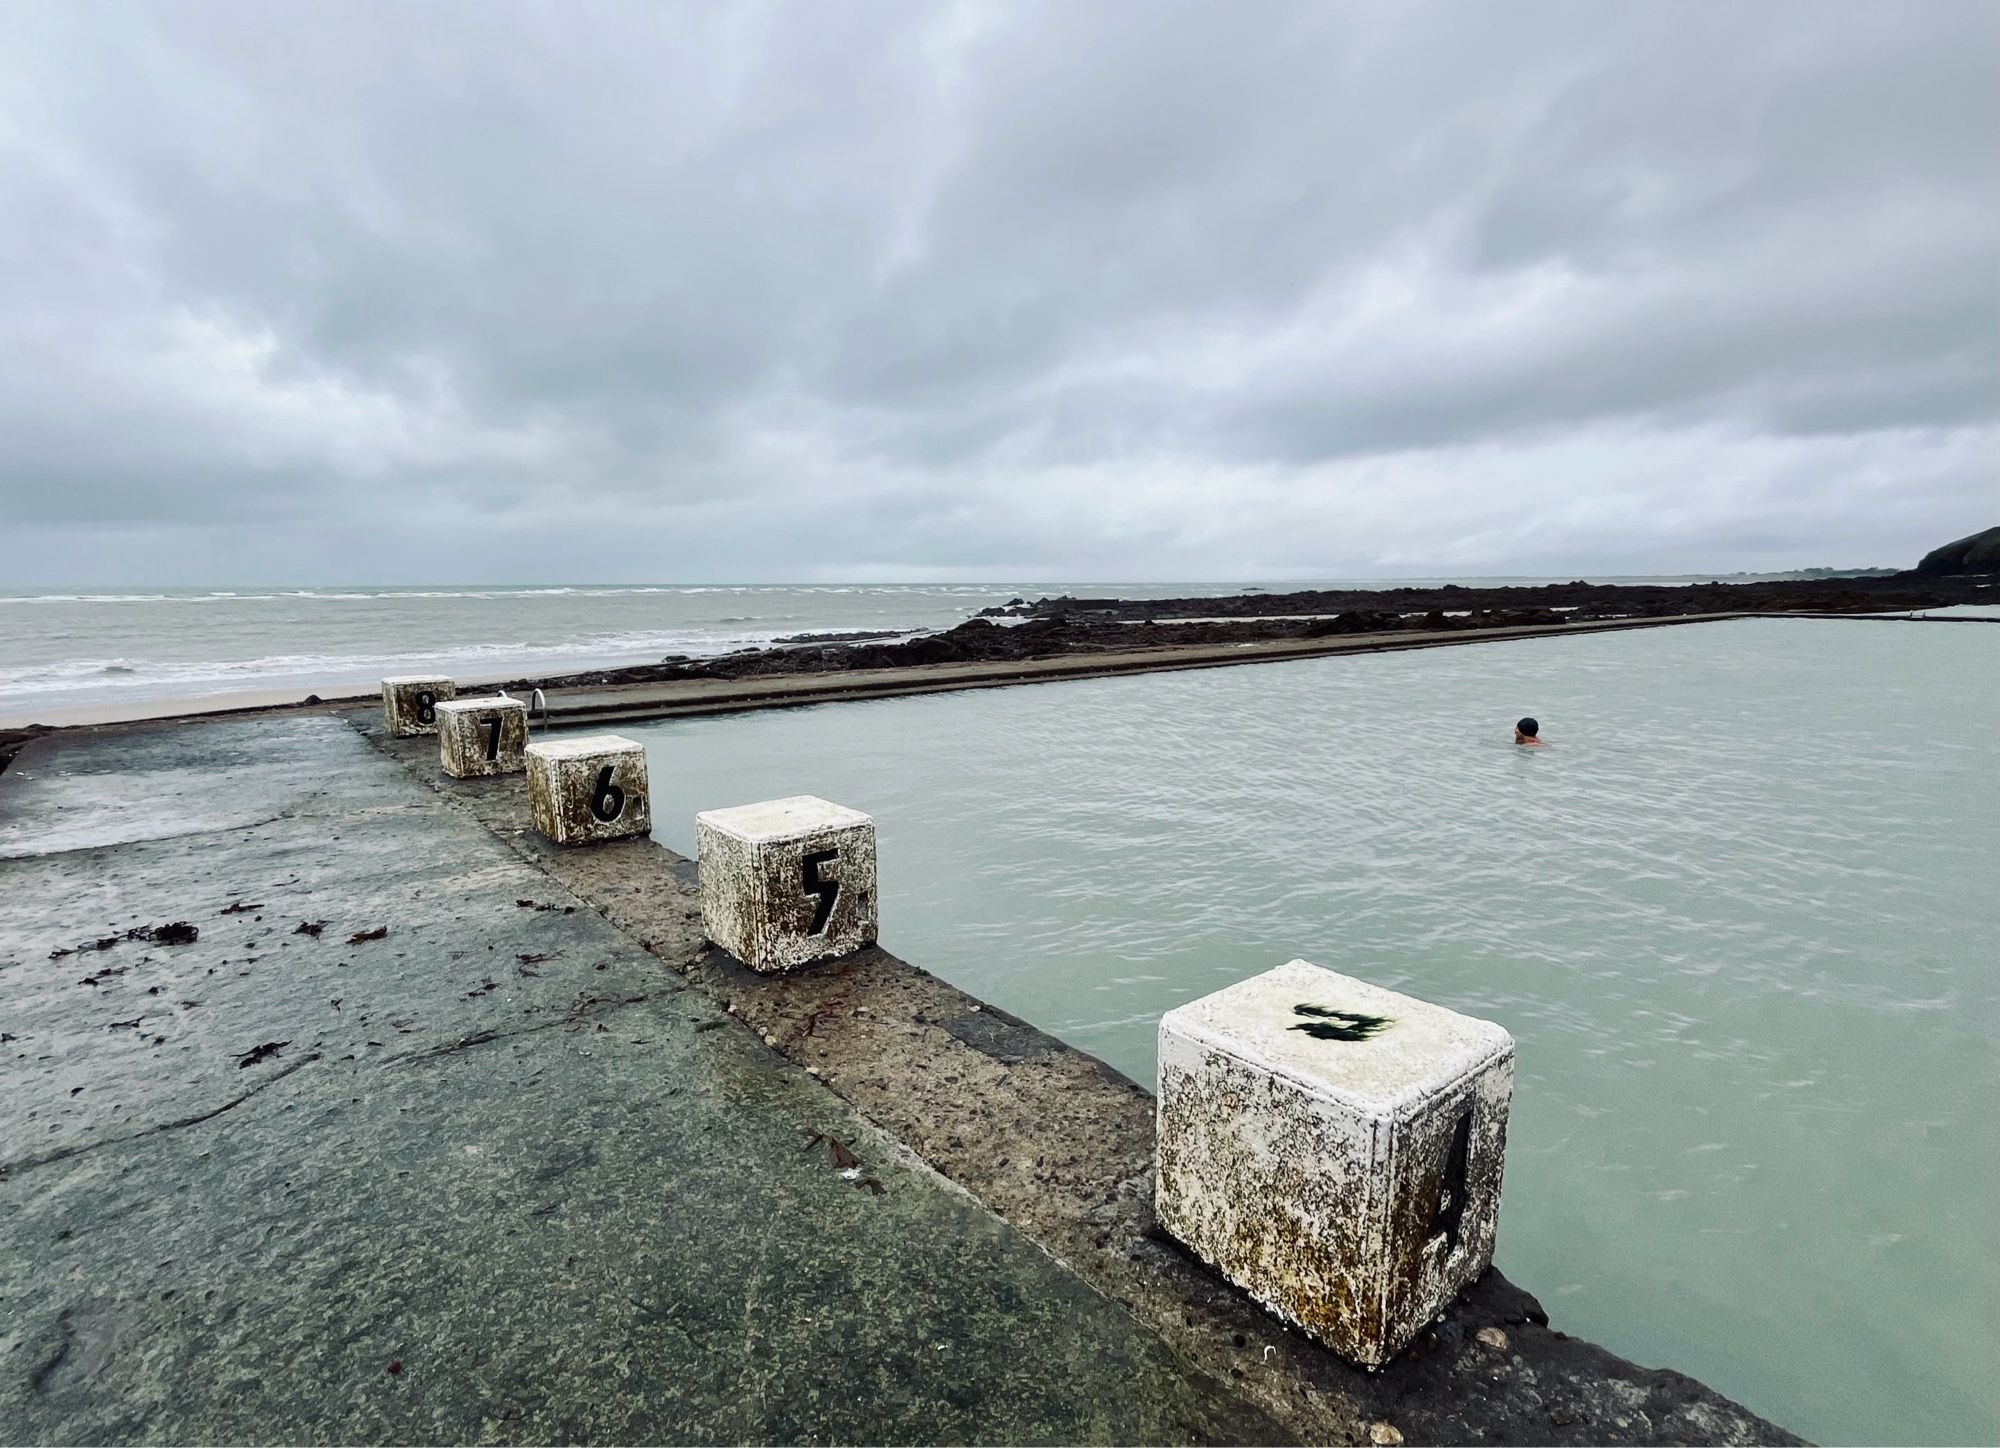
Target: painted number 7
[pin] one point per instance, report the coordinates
(493, 738)
(828, 891)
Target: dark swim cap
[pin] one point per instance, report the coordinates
(1529, 727)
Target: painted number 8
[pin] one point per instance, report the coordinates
(427, 707)
(607, 801)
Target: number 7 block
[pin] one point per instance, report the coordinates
(787, 882)
(479, 737)
(589, 788)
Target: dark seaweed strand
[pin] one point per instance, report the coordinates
(1332, 1025)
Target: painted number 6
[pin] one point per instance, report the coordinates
(607, 801)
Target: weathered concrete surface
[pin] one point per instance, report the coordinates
(482, 736)
(409, 702)
(1062, 1147)
(497, 1174)
(584, 789)
(1335, 1149)
(70, 790)
(786, 882)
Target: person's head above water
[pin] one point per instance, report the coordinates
(1528, 731)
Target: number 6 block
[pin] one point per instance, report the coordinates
(589, 788)
(409, 703)
(482, 736)
(1334, 1149)
(787, 882)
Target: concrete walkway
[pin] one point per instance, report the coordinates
(498, 1174)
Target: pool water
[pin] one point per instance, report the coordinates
(1739, 915)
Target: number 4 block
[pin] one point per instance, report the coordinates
(589, 788)
(409, 703)
(482, 736)
(787, 882)
(1334, 1149)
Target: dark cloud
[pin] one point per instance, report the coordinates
(506, 291)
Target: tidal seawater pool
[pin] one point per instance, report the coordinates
(1740, 916)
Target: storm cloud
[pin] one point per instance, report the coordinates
(383, 293)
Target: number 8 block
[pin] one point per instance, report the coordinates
(787, 882)
(409, 703)
(479, 737)
(589, 788)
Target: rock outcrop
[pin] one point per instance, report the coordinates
(1974, 553)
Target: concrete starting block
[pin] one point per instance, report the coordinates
(589, 788)
(787, 882)
(482, 736)
(409, 703)
(1334, 1149)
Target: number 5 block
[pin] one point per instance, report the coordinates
(482, 736)
(787, 882)
(409, 703)
(1334, 1149)
(589, 788)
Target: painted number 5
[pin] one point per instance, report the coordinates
(607, 801)
(828, 891)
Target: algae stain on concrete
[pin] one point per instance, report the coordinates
(1332, 1025)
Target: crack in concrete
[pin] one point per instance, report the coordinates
(38, 1381)
(571, 1018)
(8, 1168)
(143, 840)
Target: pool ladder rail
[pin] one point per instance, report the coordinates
(538, 703)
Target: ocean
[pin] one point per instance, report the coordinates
(1740, 915)
(66, 653)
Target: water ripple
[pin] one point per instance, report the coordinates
(1739, 915)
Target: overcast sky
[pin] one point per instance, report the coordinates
(492, 292)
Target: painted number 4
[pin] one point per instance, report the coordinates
(826, 890)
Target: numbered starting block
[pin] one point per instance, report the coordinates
(589, 788)
(1334, 1149)
(482, 736)
(787, 882)
(409, 704)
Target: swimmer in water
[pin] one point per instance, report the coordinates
(1528, 733)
